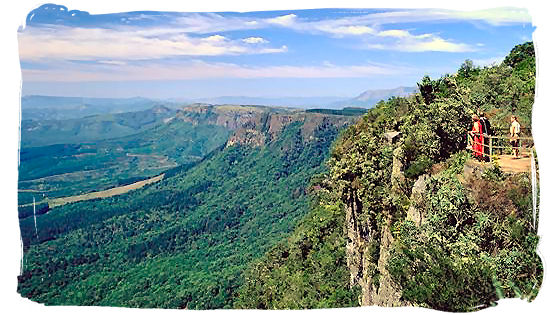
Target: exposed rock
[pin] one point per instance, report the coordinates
(248, 137)
(277, 122)
(357, 243)
(376, 284)
(254, 125)
(392, 137)
(397, 173)
(389, 292)
(415, 212)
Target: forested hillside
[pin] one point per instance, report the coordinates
(307, 209)
(185, 241)
(36, 133)
(409, 216)
(68, 169)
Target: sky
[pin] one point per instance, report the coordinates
(298, 53)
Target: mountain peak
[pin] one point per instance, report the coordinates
(381, 94)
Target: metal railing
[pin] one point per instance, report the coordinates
(494, 145)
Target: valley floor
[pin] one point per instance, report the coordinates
(99, 194)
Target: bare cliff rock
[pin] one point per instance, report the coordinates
(255, 125)
(368, 247)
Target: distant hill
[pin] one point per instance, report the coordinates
(371, 95)
(40, 107)
(91, 128)
(297, 102)
(366, 99)
(369, 98)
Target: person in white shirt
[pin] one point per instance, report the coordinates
(515, 129)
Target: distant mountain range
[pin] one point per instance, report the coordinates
(91, 128)
(297, 102)
(366, 99)
(374, 96)
(38, 107)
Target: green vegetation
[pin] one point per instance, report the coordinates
(71, 169)
(486, 250)
(308, 270)
(505, 89)
(473, 241)
(346, 111)
(182, 242)
(267, 226)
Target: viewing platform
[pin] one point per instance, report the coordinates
(499, 148)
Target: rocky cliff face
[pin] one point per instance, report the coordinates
(255, 125)
(369, 245)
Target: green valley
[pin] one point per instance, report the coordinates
(277, 208)
(201, 225)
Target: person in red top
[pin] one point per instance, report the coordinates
(477, 136)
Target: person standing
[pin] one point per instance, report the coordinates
(487, 133)
(477, 138)
(515, 129)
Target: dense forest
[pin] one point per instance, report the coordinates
(340, 217)
(182, 242)
(74, 168)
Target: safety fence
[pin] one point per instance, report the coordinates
(490, 146)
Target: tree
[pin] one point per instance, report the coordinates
(467, 69)
(520, 53)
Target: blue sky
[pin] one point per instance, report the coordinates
(329, 52)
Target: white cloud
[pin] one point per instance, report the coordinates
(404, 41)
(283, 20)
(433, 44)
(215, 38)
(281, 49)
(212, 22)
(394, 33)
(368, 29)
(496, 16)
(347, 30)
(113, 62)
(65, 43)
(198, 69)
(422, 44)
(255, 40)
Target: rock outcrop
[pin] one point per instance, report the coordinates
(255, 125)
(368, 248)
(415, 213)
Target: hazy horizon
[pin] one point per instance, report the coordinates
(23, 94)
